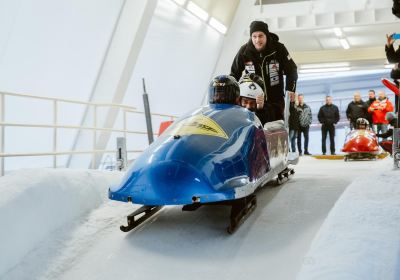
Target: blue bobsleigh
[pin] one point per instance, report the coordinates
(217, 154)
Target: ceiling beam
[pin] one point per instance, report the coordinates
(309, 15)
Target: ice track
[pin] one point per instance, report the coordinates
(271, 244)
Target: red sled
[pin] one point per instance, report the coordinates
(361, 144)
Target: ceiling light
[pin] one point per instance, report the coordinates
(218, 25)
(344, 44)
(338, 31)
(197, 11)
(325, 65)
(389, 66)
(180, 2)
(324, 70)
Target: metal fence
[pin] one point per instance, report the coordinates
(56, 126)
(342, 104)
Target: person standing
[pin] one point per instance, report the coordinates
(356, 109)
(266, 57)
(392, 55)
(294, 123)
(305, 120)
(371, 99)
(379, 109)
(328, 116)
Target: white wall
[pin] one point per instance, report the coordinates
(55, 48)
(50, 48)
(177, 60)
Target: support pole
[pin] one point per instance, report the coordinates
(147, 114)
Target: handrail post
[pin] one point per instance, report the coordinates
(2, 137)
(94, 136)
(124, 122)
(55, 123)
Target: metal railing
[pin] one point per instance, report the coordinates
(56, 126)
(342, 104)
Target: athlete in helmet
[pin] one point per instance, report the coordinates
(362, 123)
(252, 97)
(223, 89)
(251, 94)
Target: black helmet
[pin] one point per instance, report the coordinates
(223, 89)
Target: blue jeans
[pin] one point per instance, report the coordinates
(305, 131)
(292, 139)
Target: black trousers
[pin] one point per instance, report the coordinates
(325, 129)
(305, 131)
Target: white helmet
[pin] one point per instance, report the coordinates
(250, 89)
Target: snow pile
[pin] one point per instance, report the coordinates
(34, 203)
(360, 239)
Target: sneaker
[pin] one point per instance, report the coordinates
(333, 154)
(307, 153)
(300, 153)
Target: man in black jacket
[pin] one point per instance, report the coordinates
(368, 103)
(356, 109)
(393, 56)
(328, 116)
(265, 56)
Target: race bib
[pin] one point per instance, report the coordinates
(249, 67)
(273, 68)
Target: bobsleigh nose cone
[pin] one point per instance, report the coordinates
(176, 183)
(165, 183)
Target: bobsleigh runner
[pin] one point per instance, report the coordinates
(361, 143)
(219, 154)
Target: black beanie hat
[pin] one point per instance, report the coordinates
(259, 26)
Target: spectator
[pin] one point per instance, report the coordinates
(266, 57)
(379, 109)
(387, 145)
(371, 99)
(305, 119)
(328, 116)
(395, 75)
(356, 109)
(294, 123)
(392, 55)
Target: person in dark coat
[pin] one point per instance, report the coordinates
(294, 122)
(387, 144)
(356, 109)
(395, 75)
(266, 57)
(368, 103)
(392, 55)
(328, 116)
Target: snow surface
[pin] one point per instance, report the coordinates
(72, 229)
(360, 239)
(35, 203)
